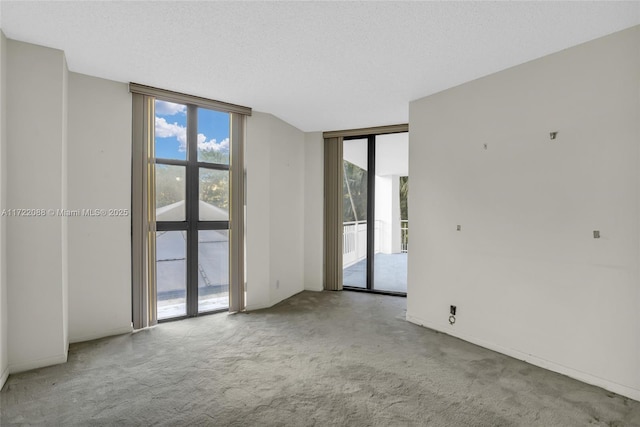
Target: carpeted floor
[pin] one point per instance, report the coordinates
(323, 359)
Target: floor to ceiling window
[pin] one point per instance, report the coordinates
(192, 237)
(374, 212)
(188, 206)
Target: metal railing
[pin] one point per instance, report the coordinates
(404, 235)
(354, 240)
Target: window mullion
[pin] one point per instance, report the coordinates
(172, 162)
(216, 166)
(192, 210)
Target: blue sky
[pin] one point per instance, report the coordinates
(171, 130)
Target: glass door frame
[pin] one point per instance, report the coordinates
(371, 211)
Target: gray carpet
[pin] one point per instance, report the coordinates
(331, 358)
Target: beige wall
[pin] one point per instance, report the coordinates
(71, 148)
(313, 211)
(4, 332)
(258, 214)
(275, 210)
(525, 272)
(99, 177)
(64, 251)
(36, 138)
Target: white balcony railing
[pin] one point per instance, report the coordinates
(354, 241)
(404, 236)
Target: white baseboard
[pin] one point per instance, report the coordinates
(37, 363)
(102, 334)
(621, 389)
(3, 377)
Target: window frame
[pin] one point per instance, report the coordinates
(144, 225)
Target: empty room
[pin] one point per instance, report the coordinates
(319, 213)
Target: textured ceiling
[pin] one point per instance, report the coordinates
(316, 65)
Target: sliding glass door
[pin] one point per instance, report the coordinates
(392, 168)
(375, 226)
(355, 187)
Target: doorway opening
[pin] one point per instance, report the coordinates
(375, 223)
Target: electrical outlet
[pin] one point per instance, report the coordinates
(452, 310)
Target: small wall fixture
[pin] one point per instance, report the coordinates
(596, 234)
(458, 228)
(552, 135)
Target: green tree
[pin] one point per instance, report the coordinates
(214, 187)
(354, 193)
(214, 183)
(214, 156)
(404, 197)
(170, 184)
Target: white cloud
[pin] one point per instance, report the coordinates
(168, 130)
(212, 145)
(169, 108)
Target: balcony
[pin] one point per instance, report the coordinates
(390, 259)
